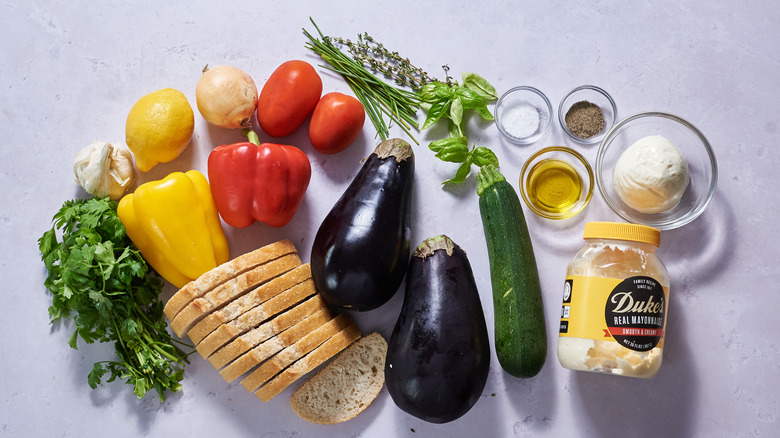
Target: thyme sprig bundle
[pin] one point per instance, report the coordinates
(376, 57)
(446, 100)
(379, 98)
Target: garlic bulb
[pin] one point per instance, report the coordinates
(104, 169)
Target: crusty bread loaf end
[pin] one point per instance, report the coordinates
(346, 386)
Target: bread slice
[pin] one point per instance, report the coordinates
(247, 302)
(265, 331)
(228, 291)
(346, 386)
(309, 362)
(295, 351)
(253, 318)
(224, 272)
(275, 344)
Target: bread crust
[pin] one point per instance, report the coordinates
(247, 302)
(261, 312)
(253, 318)
(230, 290)
(309, 362)
(294, 351)
(224, 272)
(346, 386)
(255, 346)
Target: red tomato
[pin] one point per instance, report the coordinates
(336, 122)
(288, 97)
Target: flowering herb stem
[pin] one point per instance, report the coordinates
(378, 98)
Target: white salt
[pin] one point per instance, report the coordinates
(521, 121)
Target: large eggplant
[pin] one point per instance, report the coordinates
(361, 250)
(438, 356)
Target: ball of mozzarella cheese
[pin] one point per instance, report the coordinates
(651, 175)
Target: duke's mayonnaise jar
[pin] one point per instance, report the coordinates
(615, 300)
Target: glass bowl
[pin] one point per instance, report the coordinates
(703, 168)
(556, 182)
(523, 115)
(596, 96)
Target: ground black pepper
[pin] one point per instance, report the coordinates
(584, 119)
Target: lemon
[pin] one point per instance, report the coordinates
(159, 127)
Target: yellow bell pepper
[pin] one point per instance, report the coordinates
(175, 224)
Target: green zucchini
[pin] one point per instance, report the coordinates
(520, 331)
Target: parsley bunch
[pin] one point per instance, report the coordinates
(97, 276)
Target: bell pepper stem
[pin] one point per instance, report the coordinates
(251, 136)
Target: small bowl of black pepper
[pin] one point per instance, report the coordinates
(587, 113)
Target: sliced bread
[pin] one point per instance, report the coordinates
(224, 272)
(253, 318)
(252, 299)
(269, 329)
(275, 344)
(295, 351)
(230, 290)
(307, 363)
(346, 386)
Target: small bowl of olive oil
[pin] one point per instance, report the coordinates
(556, 182)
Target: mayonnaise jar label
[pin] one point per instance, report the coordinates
(630, 312)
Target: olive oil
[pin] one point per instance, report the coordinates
(553, 186)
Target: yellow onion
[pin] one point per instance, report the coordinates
(226, 96)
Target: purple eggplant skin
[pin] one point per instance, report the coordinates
(438, 355)
(361, 250)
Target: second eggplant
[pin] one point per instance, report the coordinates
(361, 250)
(438, 355)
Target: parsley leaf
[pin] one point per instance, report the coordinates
(97, 276)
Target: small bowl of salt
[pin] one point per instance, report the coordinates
(523, 115)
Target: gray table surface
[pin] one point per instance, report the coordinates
(71, 70)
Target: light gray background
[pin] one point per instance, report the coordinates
(70, 72)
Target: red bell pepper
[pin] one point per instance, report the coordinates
(258, 182)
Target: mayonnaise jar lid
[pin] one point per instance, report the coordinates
(622, 231)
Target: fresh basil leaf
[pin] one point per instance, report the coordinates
(456, 112)
(433, 91)
(455, 130)
(442, 90)
(470, 98)
(435, 112)
(484, 112)
(428, 93)
(482, 156)
(438, 145)
(477, 83)
(429, 88)
(460, 176)
(455, 152)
